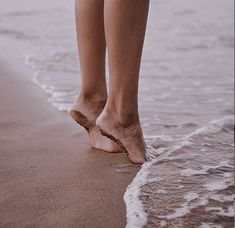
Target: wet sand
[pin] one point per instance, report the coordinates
(49, 177)
(186, 109)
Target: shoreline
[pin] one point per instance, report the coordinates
(49, 175)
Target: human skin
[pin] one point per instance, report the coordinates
(92, 47)
(120, 26)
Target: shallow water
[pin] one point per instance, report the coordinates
(186, 102)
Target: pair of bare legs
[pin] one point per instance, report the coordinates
(111, 119)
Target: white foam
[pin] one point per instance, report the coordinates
(222, 212)
(47, 88)
(186, 207)
(158, 138)
(161, 191)
(181, 186)
(163, 223)
(213, 127)
(216, 185)
(62, 106)
(226, 175)
(136, 215)
(223, 198)
(210, 225)
(229, 213)
(154, 180)
(191, 172)
(191, 196)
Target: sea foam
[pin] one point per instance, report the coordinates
(136, 215)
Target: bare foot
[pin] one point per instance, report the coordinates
(85, 112)
(128, 136)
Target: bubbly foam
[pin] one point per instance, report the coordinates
(137, 217)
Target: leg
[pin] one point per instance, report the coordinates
(125, 25)
(92, 46)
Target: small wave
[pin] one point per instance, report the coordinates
(210, 225)
(191, 172)
(186, 207)
(222, 212)
(213, 127)
(216, 185)
(136, 215)
(61, 92)
(223, 198)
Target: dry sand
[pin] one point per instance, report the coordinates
(49, 177)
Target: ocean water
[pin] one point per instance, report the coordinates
(186, 102)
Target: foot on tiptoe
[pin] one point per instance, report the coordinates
(85, 111)
(127, 134)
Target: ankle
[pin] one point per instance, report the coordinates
(124, 117)
(93, 97)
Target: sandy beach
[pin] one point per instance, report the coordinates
(49, 176)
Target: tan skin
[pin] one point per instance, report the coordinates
(112, 120)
